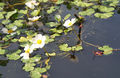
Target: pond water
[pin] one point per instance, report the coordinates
(95, 31)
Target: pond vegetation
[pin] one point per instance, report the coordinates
(26, 25)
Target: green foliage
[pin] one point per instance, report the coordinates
(9, 14)
(23, 11)
(1, 16)
(106, 9)
(2, 51)
(52, 24)
(81, 3)
(64, 47)
(107, 50)
(18, 23)
(14, 56)
(58, 18)
(66, 17)
(5, 22)
(52, 9)
(104, 15)
(48, 40)
(87, 12)
(35, 12)
(76, 48)
(29, 67)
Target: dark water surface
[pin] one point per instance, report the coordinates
(96, 31)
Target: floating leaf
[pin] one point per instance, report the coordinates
(54, 35)
(52, 24)
(58, 18)
(1, 16)
(66, 17)
(5, 22)
(87, 12)
(48, 40)
(106, 9)
(104, 15)
(23, 11)
(2, 51)
(18, 23)
(107, 50)
(77, 48)
(64, 47)
(35, 12)
(29, 67)
(23, 39)
(13, 56)
(35, 74)
(9, 14)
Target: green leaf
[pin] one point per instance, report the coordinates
(56, 30)
(35, 12)
(1, 16)
(48, 40)
(64, 47)
(104, 15)
(77, 48)
(5, 22)
(9, 14)
(29, 67)
(42, 70)
(23, 11)
(87, 12)
(106, 9)
(52, 9)
(13, 56)
(59, 1)
(2, 4)
(58, 18)
(107, 50)
(66, 17)
(19, 23)
(2, 51)
(23, 39)
(35, 74)
(32, 60)
(53, 24)
(54, 35)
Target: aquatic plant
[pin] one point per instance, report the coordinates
(26, 28)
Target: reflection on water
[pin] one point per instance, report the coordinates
(3, 62)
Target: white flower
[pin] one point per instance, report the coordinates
(35, 18)
(31, 4)
(38, 41)
(25, 55)
(28, 49)
(11, 31)
(69, 23)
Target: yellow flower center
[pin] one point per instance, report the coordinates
(10, 31)
(39, 41)
(70, 24)
(27, 51)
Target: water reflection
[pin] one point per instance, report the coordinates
(3, 62)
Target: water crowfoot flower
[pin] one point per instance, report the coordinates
(35, 18)
(31, 4)
(11, 31)
(38, 41)
(69, 23)
(28, 49)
